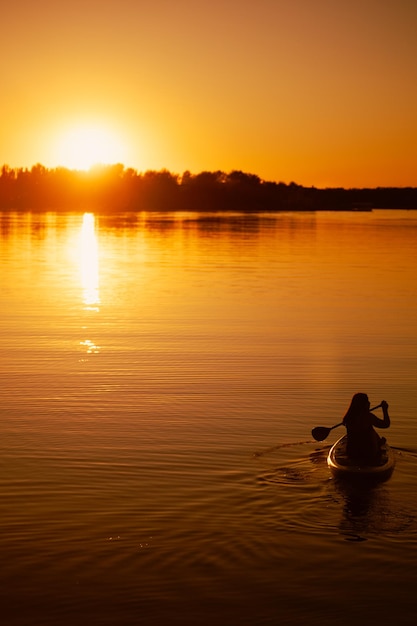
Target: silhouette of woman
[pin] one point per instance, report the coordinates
(363, 442)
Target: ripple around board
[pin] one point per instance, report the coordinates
(361, 511)
(280, 446)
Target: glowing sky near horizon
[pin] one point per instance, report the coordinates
(318, 92)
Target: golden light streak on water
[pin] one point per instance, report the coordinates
(89, 263)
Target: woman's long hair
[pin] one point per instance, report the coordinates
(359, 404)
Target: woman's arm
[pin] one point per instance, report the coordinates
(385, 422)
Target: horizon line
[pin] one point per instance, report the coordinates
(103, 166)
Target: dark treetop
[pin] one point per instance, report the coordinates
(115, 189)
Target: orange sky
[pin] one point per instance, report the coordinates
(318, 92)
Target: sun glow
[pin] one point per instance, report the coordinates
(83, 146)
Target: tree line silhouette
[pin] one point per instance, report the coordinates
(114, 188)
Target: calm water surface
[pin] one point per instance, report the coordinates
(161, 374)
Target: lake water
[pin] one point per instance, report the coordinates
(161, 374)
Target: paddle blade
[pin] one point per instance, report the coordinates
(320, 433)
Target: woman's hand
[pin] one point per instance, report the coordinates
(384, 405)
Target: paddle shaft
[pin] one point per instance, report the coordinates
(378, 406)
(321, 432)
(341, 423)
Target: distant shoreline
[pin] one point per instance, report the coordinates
(114, 189)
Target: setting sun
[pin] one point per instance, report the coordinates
(83, 146)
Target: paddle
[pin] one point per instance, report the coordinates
(321, 432)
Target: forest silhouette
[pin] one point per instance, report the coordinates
(114, 188)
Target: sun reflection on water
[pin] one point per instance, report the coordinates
(89, 264)
(91, 347)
